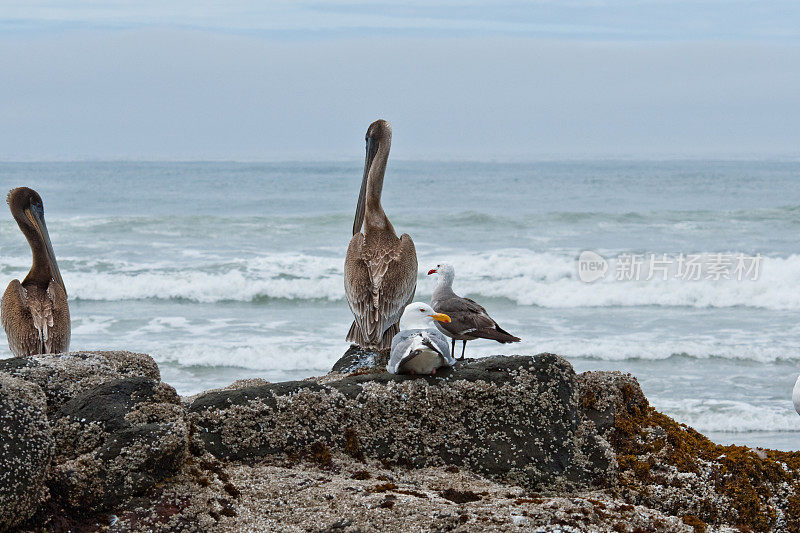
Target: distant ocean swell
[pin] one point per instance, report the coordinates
(785, 217)
(522, 276)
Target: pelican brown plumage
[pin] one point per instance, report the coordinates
(35, 313)
(380, 270)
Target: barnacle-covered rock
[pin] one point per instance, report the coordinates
(513, 418)
(26, 448)
(62, 376)
(116, 441)
(671, 467)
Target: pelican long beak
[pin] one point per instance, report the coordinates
(372, 149)
(36, 216)
(441, 317)
(432, 271)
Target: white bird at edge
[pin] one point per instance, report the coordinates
(796, 396)
(419, 348)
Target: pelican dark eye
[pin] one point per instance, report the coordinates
(421, 310)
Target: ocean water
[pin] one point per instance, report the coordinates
(224, 271)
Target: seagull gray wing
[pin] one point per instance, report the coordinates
(410, 340)
(438, 339)
(401, 347)
(468, 317)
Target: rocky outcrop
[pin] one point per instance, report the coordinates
(94, 439)
(26, 448)
(114, 429)
(673, 468)
(513, 418)
(117, 441)
(62, 376)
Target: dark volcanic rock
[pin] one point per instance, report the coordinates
(512, 418)
(62, 376)
(357, 358)
(117, 440)
(26, 448)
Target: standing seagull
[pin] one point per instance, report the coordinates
(469, 321)
(35, 313)
(419, 348)
(380, 270)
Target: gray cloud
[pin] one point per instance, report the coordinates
(167, 93)
(576, 19)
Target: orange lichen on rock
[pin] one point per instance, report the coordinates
(694, 477)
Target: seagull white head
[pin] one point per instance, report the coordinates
(446, 273)
(420, 315)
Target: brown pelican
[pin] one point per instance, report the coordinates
(380, 270)
(35, 313)
(468, 320)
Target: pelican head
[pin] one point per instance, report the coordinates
(28, 210)
(419, 315)
(378, 137)
(380, 130)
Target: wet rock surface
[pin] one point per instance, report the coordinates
(356, 359)
(62, 376)
(116, 441)
(26, 448)
(513, 418)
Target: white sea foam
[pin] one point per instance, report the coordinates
(550, 280)
(610, 347)
(525, 277)
(729, 415)
(290, 276)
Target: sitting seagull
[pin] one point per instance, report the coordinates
(468, 320)
(796, 396)
(419, 348)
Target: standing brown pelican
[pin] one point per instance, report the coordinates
(380, 270)
(468, 319)
(35, 313)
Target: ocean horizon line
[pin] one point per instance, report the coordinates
(500, 159)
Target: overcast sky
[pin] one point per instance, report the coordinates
(303, 80)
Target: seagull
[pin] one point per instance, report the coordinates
(796, 396)
(419, 348)
(468, 319)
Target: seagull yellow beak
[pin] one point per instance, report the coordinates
(441, 317)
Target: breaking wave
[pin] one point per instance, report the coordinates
(522, 276)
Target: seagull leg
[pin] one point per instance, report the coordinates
(453, 348)
(463, 347)
(433, 372)
(412, 372)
